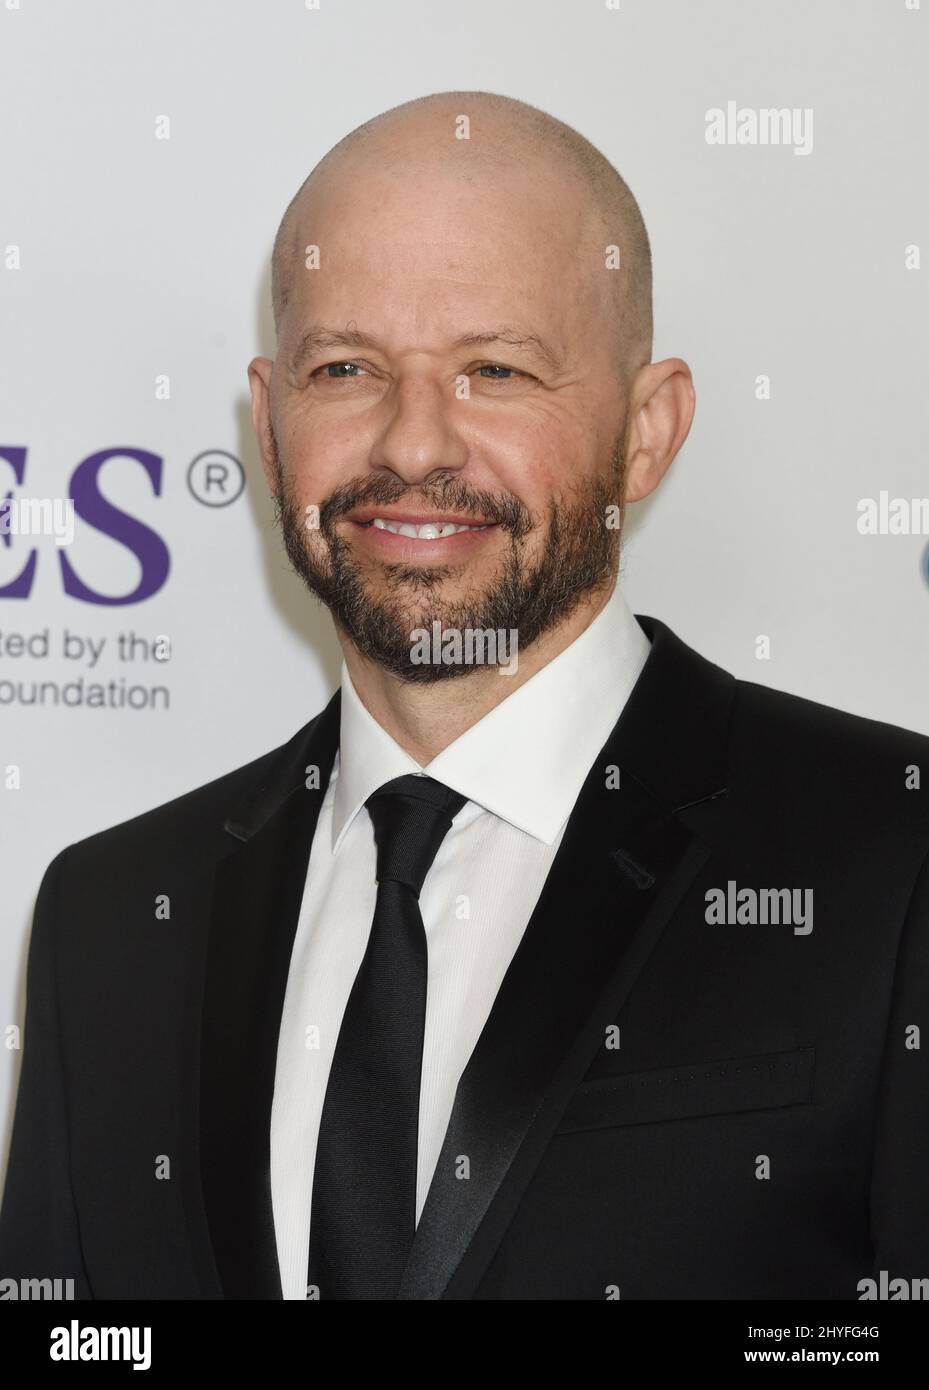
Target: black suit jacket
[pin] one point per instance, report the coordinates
(761, 1131)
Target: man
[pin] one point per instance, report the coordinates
(553, 964)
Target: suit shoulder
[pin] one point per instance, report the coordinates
(820, 747)
(194, 818)
(783, 712)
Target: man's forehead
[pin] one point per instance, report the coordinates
(429, 270)
(426, 280)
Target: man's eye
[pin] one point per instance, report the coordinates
(495, 367)
(349, 371)
(334, 369)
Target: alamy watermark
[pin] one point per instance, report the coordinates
(38, 516)
(734, 906)
(893, 516)
(77, 1343)
(470, 646)
(36, 1290)
(766, 125)
(892, 1290)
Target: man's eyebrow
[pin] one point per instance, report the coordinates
(320, 338)
(528, 342)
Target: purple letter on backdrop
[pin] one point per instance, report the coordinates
(148, 547)
(21, 586)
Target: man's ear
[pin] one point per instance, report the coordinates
(259, 384)
(661, 411)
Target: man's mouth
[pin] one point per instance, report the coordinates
(428, 531)
(419, 527)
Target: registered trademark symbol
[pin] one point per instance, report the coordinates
(216, 478)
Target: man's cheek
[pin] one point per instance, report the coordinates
(308, 495)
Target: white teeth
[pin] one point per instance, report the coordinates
(429, 531)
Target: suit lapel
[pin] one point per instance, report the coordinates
(256, 903)
(626, 859)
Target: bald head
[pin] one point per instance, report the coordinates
(475, 137)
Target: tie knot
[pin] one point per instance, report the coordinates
(411, 817)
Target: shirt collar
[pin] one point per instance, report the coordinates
(528, 758)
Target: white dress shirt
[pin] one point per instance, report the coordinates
(521, 767)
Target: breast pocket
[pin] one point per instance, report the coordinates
(768, 1081)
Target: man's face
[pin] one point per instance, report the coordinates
(415, 427)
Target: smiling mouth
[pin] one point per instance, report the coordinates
(426, 531)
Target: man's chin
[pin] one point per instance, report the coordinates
(416, 641)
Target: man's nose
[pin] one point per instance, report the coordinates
(420, 436)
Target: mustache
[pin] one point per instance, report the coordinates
(450, 495)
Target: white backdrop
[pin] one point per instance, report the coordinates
(130, 262)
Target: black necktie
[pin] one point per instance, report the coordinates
(363, 1214)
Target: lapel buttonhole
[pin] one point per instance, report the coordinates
(642, 877)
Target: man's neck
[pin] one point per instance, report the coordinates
(425, 717)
